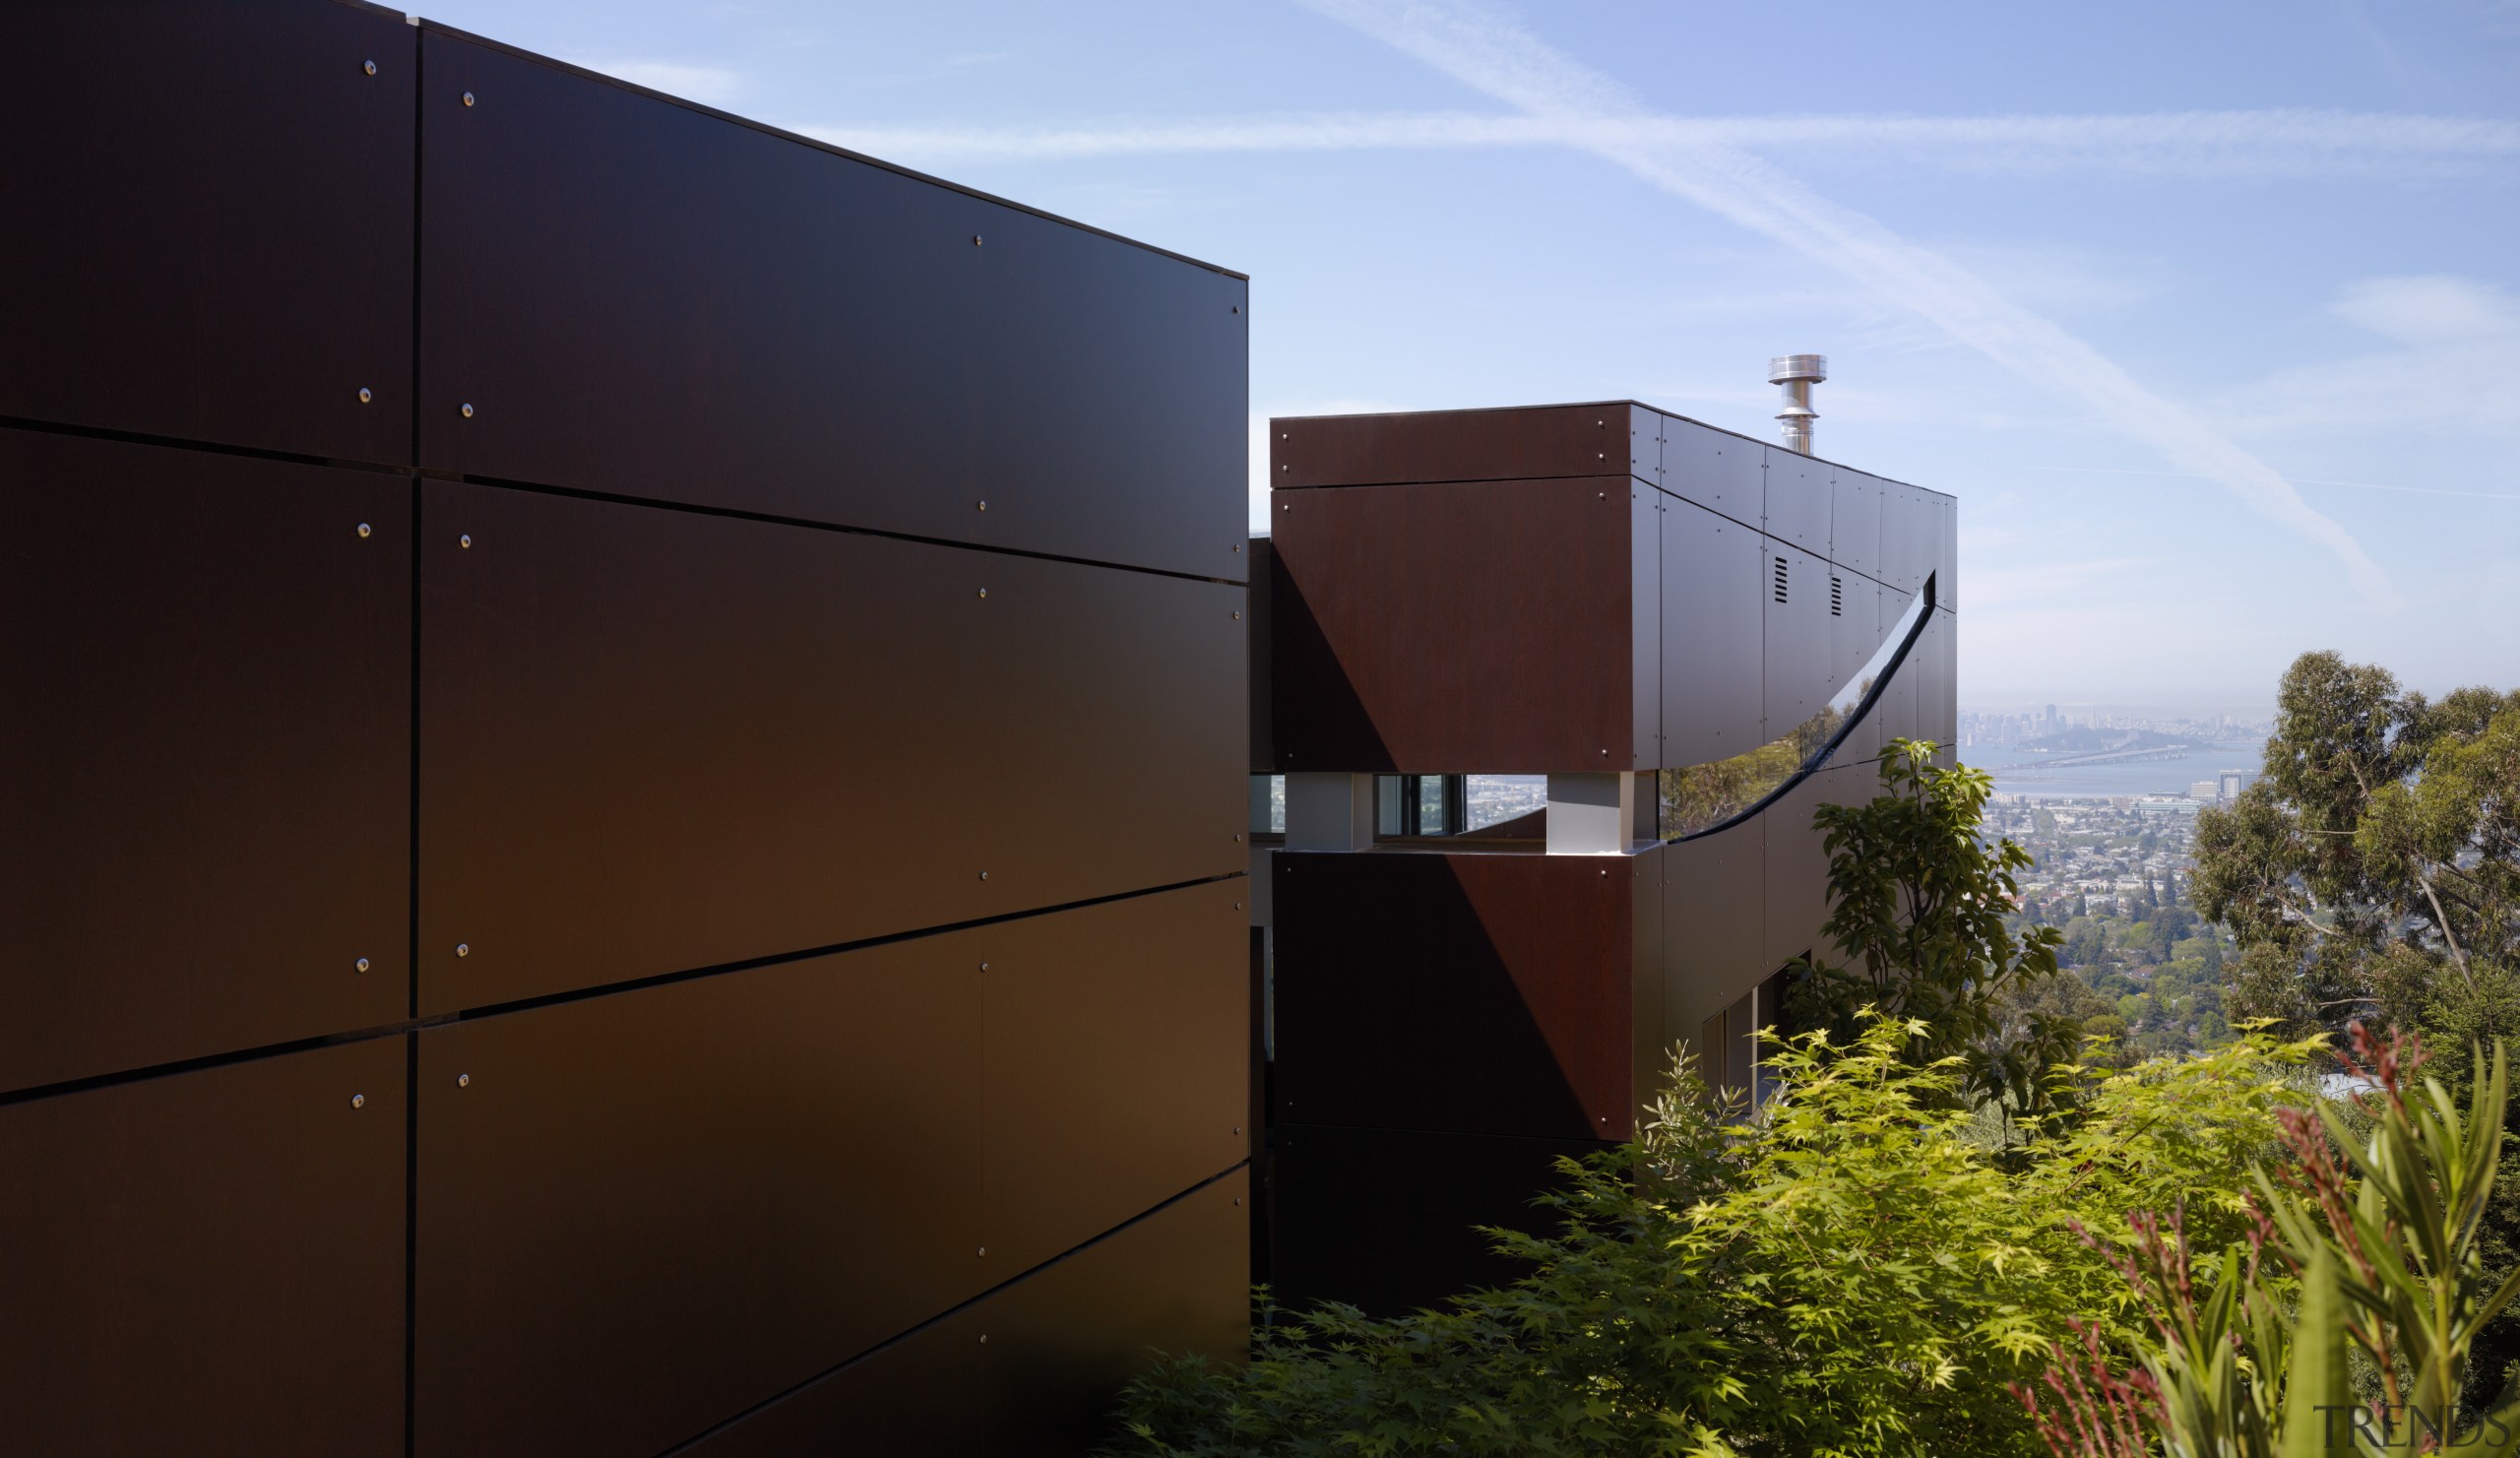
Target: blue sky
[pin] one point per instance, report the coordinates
(2210, 315)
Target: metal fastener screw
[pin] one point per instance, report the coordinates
(1237, 906)
(369, 68)
(464, 541)
(984, 506)
(468, 412)
(984, 966)
(1237, 617)
(464, 1080)
(1238, 1199)
(1238, 546)
(363, 528)
(983, 1338)
(983, 1250)
(464, 949)
(975, 240)
(983, 592)
(1286, 468)
(1237, 1128)
(358, 1101)
(362, 964)
(1237, 308)
(1237, 837)
(365, 395)
(467, 98)
(983, 875)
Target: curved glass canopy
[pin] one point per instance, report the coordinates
(1700, 799)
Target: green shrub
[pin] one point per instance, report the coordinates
(1854, 1271)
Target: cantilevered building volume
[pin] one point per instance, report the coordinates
(1697, 638)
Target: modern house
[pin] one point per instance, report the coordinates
(1694, 638)
(620, 810)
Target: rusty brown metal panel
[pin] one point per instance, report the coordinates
(640, 298)
(1796, 866)
(1910, 536)
(1645, 626)
(1115, 1050)
(1798, 668)
(620, 1241)
(1724, 473)
(1714, 925)
(1797, 500)
(1486, 993)
(1947, 557)
(1647, 976)
(1256, 621)
(1033, 1370)
(1854, 521)
(1900, 710)
(209, 221)
(1064, 1340)
(1796, 677)
(204, 765)
(1644, 443)
(209, 1262)
(1714, 591)
(1937, 690)
(1857, 628)
(643, 1213)
(1456, 628)
(658, 740)
(1525, 442)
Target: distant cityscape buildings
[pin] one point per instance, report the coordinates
(1980, 729)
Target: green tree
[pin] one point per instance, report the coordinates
(1918, 902)
(2374, 872)
(2377, 855)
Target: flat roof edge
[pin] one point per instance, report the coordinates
(686, 103)
(1568, 405)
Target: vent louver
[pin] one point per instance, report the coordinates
(1779, 579)
(1837, 596)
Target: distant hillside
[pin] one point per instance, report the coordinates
(2084, 741)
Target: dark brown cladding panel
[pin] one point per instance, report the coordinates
(208, 223)
(1484, 994)
(1035, 1369)
(644, 1212)
(210, 1263)
(1617, 439)
(1112, 1062)
(204, 765)
(1462, 627)
(1389, 1220)
(658, 740)
(638, 298)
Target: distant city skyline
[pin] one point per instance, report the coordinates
(2208, 315)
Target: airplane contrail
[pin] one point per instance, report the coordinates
(1491, 52)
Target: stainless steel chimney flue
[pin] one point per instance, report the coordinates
(1797, 373)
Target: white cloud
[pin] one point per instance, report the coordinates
(1487, 50)
(711, 85)
(2458, 367)
(2429, 309)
